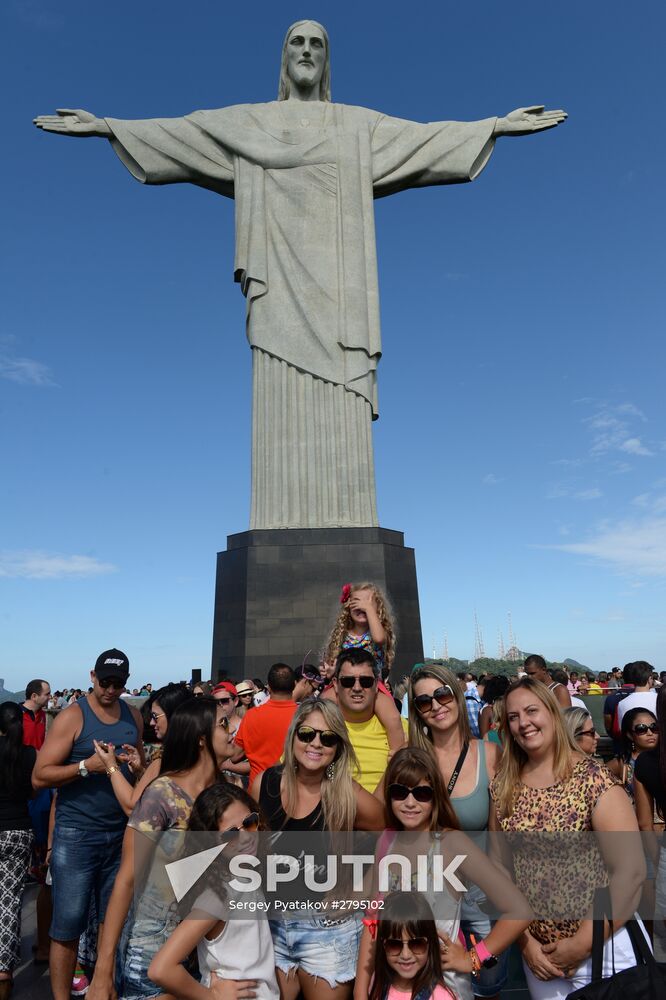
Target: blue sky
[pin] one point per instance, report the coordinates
(521, 441)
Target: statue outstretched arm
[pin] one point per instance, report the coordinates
(524, 121)
(79, 123)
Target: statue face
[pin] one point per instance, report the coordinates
(306, 55)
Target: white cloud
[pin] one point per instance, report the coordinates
(25, 371)
(36, 565)
(633, 546)
(592, 494)
(561, 490)
(491, 479)
(611, 430)
(634, 447)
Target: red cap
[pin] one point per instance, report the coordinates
(225, 686)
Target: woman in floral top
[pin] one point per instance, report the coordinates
(196, 745)
(546, 785)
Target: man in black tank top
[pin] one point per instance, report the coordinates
(90, 822)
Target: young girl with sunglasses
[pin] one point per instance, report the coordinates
(313, 790)
(407, 957)
(416, 802)
(365, 622)
(235, 956)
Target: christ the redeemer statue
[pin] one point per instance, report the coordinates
(304, 172)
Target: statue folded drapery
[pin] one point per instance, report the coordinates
(303, 176)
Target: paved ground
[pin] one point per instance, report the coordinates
(31, 982)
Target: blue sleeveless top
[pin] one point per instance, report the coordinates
(472, 810)
(90, 803)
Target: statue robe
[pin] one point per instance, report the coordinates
(303, 176)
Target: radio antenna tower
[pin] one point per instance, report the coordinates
(513, 652)
(446, 648)
(479, 651)
(501, 652)
(434, 650)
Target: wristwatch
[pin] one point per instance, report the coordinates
(83, 770)
(490, 962)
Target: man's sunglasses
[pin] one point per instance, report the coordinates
(442, 695)
(422, 793)
(641, 728)
(248, 825)
(327, 737)
(349, 682)
(394, 946)
(111, 682)
(222, 701)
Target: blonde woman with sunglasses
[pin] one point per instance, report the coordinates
(313, 791)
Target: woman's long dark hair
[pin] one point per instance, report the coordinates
(628, 720)
(207, 811)
(193, 721)
(11, 744)
(410, 912)
(170, 697)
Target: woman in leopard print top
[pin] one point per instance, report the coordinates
(548, 797)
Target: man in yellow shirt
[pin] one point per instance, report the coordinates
(356, 677)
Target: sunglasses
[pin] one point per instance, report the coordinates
(249, 825)
(157, 715)
(223, 723)
(327, 737)
(641, 728)
(586, 732)
(422, 793)
(111, 682)
(314, 678)
(349, 682)
(246, 694)
(442, 695)
(223, 701)
(394, 946)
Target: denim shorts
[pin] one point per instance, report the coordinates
(323, 949)
(84, 864)
(147, 928)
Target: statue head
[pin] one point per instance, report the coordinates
(306, 60)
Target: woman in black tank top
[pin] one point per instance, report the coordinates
(313, 790)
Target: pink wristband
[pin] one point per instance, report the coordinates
(482, 952)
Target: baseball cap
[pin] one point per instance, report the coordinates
(112, 663)
(225, 686)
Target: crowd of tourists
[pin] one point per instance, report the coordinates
(326, 748)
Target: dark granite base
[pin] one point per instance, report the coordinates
(277, 594)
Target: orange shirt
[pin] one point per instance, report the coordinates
(262, 733)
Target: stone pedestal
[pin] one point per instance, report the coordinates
(277, 594)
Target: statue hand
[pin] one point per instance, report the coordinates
(68, 122)
(523, 121)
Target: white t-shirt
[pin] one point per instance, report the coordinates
(639, 699)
